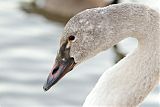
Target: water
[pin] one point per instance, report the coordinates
(28, 46)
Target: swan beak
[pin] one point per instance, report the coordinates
(58, 71)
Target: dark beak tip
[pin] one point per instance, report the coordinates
(45, 88)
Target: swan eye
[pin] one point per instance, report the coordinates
(71, 38)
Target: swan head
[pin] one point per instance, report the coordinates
(87, 29)
(82, 39)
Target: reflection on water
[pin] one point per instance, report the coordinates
(28, 46)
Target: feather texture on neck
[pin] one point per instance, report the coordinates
(130, 81)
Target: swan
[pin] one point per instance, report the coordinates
(95, 30)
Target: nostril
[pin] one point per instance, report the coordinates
(55, 70)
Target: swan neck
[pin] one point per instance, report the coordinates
(129, 81)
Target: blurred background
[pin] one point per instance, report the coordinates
(29, 39)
